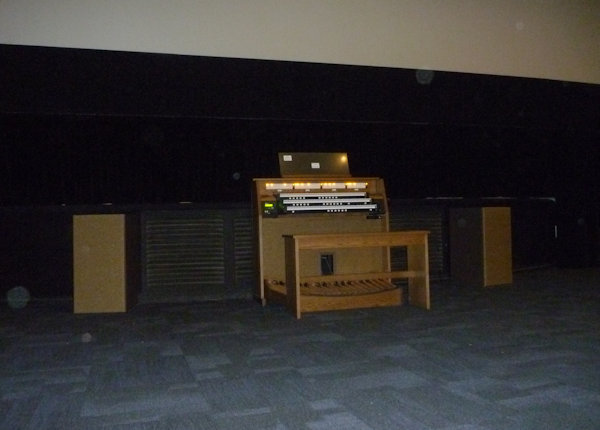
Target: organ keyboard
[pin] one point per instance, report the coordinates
(327, 200)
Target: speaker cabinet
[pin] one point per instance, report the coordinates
(481, 246)
(104, 263)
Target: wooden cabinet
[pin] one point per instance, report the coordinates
(481, 246)
(104, 263)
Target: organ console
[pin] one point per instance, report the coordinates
(323, 239)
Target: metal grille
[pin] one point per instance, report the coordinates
(245, 267)
(197, 255)
(184, 251)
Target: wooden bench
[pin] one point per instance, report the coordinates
(356, 290)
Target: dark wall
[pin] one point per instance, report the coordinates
(86, 127)
(36, 251)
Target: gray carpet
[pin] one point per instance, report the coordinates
(526, 356)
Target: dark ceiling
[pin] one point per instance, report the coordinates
(86, 127)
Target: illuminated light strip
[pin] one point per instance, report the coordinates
(333, 185)
(315, 185)
(307, 186)
(356, 185)
(278, 186)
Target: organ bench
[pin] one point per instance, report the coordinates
(355, 290)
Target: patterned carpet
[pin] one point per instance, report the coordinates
(524, 356)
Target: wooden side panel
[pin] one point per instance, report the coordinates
(260, 290)
(497, 246)
(292, 276)
(99, 266)
(418, 286)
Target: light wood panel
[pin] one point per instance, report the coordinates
(100, 278)
(497, 246)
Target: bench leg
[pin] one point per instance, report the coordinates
(418, 287)
(292, 277)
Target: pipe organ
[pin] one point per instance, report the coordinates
(339, 273)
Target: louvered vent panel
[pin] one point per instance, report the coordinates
(245, 269)
(184, 252)
(420, 218)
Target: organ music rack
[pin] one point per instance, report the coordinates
(348, 218)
